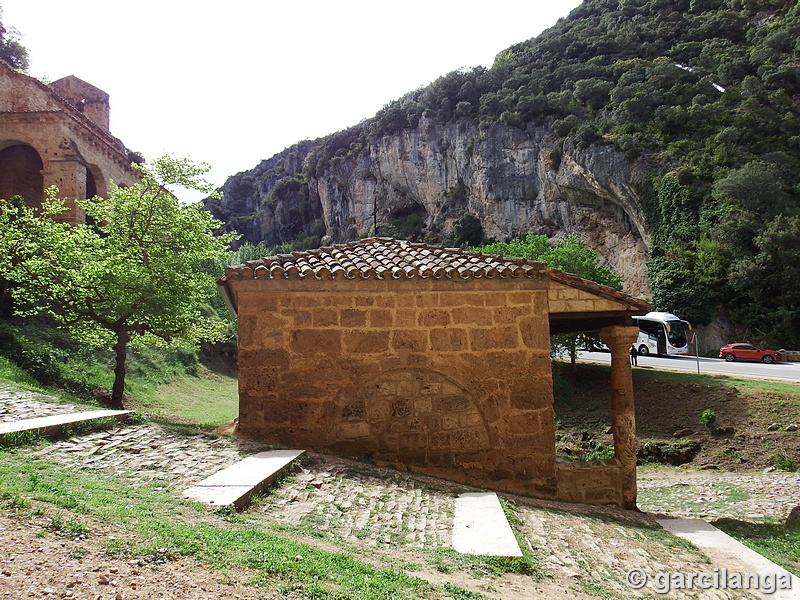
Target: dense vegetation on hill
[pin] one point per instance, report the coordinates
(707, 92)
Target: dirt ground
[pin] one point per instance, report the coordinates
(390, 518)
(753, 430)
(50, 567)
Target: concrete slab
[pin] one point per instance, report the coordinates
(480, 526)
(52, 424)
(235, 485)
(731, 555)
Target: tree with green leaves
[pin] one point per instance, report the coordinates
(127, 277)
(568, 254)
(769, 283)
(11, 49)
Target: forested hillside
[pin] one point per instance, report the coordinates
(702, 96)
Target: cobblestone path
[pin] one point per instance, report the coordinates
(362, 501)
(400, 516)
(141, 454)
(690, 493)
(16, 404)
(366, 504)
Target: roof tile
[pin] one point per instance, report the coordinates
(387, 258)
(384, 258)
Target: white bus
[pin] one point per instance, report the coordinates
(662, 333)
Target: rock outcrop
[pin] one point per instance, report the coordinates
(513, 181)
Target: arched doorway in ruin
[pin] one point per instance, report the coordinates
(21, 174)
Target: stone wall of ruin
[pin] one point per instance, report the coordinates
(70, 147)
(450, 378)
(591, 482)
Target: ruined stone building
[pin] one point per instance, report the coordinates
(57, 134)
(431, 359)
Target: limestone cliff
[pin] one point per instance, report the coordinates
(514, 181)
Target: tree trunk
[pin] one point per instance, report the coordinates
(573, 352)
(121, 351)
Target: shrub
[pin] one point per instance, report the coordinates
(783, 462)
(708, 418)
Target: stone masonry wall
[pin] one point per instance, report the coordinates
(66, 143)
(590, 482)
(447, 377)
(564, 299)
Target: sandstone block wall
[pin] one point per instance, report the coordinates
(565, 299)
(590, 482)
(452, 378)
(49, 139)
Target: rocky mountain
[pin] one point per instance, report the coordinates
(663, 133)
(422, 180)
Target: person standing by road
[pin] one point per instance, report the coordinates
(634, 355)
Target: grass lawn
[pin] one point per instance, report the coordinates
(207, 399)
(772, 540)
(72, 504)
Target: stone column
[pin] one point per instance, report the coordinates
(69, 176)
(623, 420)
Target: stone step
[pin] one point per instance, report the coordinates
(52, 425)
(235, 485)
(734, 557)
(480, 526)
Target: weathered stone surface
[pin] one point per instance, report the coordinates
(347, 383)
(793, 520)
(53, 424)
(480, 526)
(448, 372)
(57, 135)
(236, 484)
(503, 175)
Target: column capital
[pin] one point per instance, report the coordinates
(619, 335)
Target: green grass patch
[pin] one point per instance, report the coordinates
(167, 528)
(207, 398)
(276, 561)
(170, 385)
(69, 528)
(598, 590)
(640, 376)
(760, 385)
(10, 372)
(772, 540)
(36, 352)
(16, 439)
(446, 560)
(783, 462)
(728, 495)
(457, 593)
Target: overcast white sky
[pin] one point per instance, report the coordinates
(233, 82)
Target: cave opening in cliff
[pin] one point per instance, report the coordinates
(406, 222)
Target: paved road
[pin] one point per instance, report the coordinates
(717, 366)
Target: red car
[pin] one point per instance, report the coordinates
(731, 352)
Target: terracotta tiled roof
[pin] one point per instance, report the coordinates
(386, 258)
